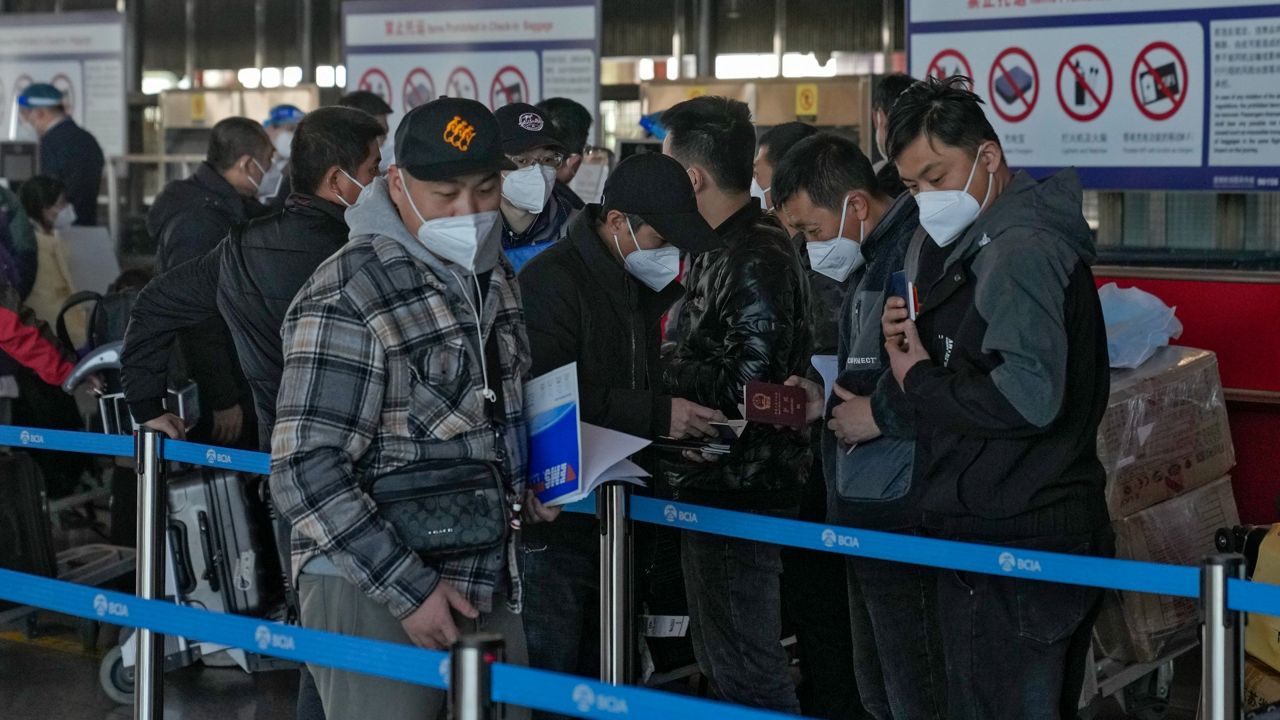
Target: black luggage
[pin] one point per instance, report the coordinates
(219, 535)
(26, 537)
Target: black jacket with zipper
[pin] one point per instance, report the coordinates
(581, 305)
(249, 280)
(1007, 409)
(188, 219)
(746, 317)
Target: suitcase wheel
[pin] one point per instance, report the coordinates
(115, 678)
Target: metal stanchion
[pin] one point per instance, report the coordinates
(149, 684)
(1221, 640)
(471, 662)
(615, 589)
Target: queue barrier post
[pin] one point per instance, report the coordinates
(615, 582)
(1221, 640)
(149, 585)
(471, 662)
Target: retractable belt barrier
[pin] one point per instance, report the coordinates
(550, 691)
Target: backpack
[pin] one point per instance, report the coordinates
(110, 314)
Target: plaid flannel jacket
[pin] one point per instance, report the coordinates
(382, 371)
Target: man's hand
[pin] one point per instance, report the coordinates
(905, 350)
(815, 404)
(535, 512)
(170, 425)
(852, 420)
(227, 424)
(431, 626)
(691, 420)
(892, 319)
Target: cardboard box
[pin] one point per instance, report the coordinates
(1261, 684)
(1140, 627)
(1165, 430)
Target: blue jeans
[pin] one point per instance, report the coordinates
(905, 672)
(1016, 648)
(735, 619)
(562, 603)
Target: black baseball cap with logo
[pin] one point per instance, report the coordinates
(525, 127)
(657, 188)
(449, 138)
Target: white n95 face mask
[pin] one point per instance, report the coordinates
(656, 268)
(838, 257)
(455, 239)
(284, 144)
(758, 192)
(529, 188)
(358, 184)
(66, 218)
(945, 214)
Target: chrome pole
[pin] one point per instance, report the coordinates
(1221, 640)
(615, 591)
(149, 687)
(471, 662)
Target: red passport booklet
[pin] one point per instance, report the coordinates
(775, 404)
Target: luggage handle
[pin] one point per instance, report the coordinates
(211, 557)
(185, 581)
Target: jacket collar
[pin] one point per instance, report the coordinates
(210, 179)
(740, 222)
(900, 213)
(315, 206)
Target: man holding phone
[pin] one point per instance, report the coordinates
(1005, 373)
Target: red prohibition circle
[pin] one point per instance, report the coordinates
(451, 87)
(998, 65)
(364, 83)
(498, 87)
(935, 65)
(1102, 102)
(1141, 62)
(407, 92)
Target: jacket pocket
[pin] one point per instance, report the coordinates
(1049, 613)
(878, 471)
(444, 402)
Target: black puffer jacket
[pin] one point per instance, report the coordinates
(249, 280)
(746, 317)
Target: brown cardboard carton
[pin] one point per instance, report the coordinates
(1261, 684)
(1165, 430)
(1141, 627)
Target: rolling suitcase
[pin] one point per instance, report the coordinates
(223, 560)
(26, 536)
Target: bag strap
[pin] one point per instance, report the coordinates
(75, 299)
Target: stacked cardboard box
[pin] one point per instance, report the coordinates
(1166, 447)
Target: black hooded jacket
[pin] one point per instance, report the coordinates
(248, 281)
(1007, 409)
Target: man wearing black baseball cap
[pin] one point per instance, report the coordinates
(407, 344)
(532, 216)
(597, 299)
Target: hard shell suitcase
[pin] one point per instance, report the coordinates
(26, 537)
(218, 533)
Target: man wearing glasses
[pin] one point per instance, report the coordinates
(532, 216)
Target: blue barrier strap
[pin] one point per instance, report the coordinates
(217, 457)
(570, 695)
(396, 662)
(66, 441)
(1253, 597)
(992, 560)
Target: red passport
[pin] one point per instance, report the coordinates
(775, 404)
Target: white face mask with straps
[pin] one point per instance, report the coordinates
(359, 197)
(529, 188)
(945, 214)
(655, 268)
(838, 257)
(455, 239)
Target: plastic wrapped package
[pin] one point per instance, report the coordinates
(1165, 431)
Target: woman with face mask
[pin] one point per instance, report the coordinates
(532, 217)
(45, 200)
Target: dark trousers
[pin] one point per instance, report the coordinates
(562, 602)
(816, 608)
(1016, 648)
(899, 666)
(735, 619)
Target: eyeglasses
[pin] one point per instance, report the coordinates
(551, 160)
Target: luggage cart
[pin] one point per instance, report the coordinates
(116, 671)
